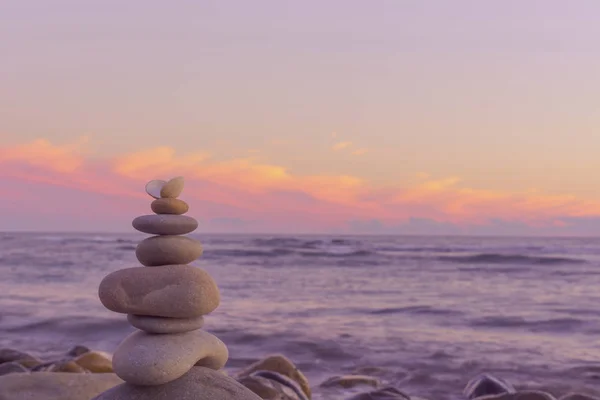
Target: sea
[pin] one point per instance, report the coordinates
(424, 314)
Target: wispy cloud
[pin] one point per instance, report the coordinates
(262, 196)
(359, 152)
(341, 146)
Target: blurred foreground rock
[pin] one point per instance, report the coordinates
(55, 386)
(83, 374)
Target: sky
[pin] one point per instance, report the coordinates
(337, 116)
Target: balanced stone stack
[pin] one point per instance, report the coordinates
(169, 356)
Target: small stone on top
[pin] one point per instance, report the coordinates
(173, 188)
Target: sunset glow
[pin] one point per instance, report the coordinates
(342, 116)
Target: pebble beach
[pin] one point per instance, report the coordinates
(424, 315)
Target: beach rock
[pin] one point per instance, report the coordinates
(66, 366)
(350, 381)
(8, 355)
(149, 359)
(168, 249)
(11, 368)
(169, 206)
(520, 395)
(55, 386)
(76, 351)
(154, 187)
(271, 385)
(578, 396)
(484, 385)
(175, 291)
(281, 364)
(94, 361)
(165, 325)
(29, 362)
(165, 224)
(198, 384)
(173, 188)
(386, 393)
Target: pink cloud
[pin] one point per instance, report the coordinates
(66, 180)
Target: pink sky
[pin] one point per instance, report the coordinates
(66, 186)
(348, 116)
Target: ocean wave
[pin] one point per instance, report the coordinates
(246, 253)
(297, 243)
(496, 258)
(348, 253)
(414, 310)
(553, 325)
(75, 325)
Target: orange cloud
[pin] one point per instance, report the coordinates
(43, 153)
(341, 145)
(247, 189)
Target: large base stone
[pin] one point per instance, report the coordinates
(55, 386)
(199, 383)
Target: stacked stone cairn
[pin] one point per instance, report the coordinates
(169, 356)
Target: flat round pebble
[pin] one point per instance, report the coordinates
(165, 224)
(173, 188)
(168, 249)
(169, 206)
(175, 291)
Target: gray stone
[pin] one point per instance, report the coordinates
(273, 386)
(520, 395)
(174, 291)
(11, 368)
(282, 365)
(55, 386)
(385, 393)
(350, 381)
(76, 351)
(169, 249)
(148, 359)
(484, 385)
(198, 384)
(578, 396)
(165, 224)
(173, 188)
(165, 325)
(8, 355)
(169, 206)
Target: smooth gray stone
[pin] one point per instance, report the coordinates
(148, 359)
(485, 385)
(165, 224)
(173, 291)
(168, 249)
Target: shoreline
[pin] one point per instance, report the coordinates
(82, 372)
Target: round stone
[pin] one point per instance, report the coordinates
(198, 383)
(94, 361)
(165, 325)
(168, 249)
(173, 188)
(165, 224)
(175, 291)
(169, 206)
(148, 359)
